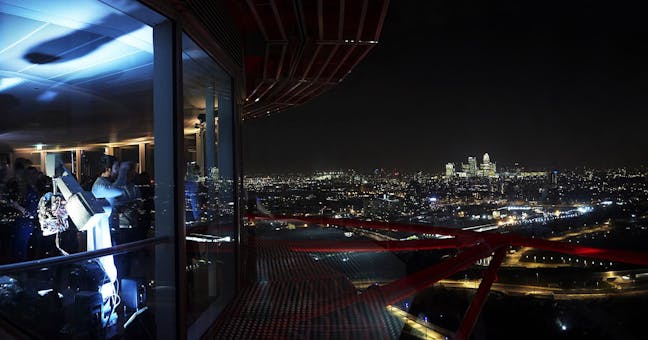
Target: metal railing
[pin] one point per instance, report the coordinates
(77, 257)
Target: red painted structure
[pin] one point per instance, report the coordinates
(296, 49)
(472, 246)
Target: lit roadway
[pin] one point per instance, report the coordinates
(420, 328)
(621, 281)
(373, 235)
(514, 260)
(544, 292)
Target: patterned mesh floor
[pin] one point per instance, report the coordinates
(290, 300)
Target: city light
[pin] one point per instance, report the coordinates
(525, 206)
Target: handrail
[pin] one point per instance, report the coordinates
(76, 257)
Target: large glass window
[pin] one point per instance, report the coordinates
(76, 168)
(209, 184)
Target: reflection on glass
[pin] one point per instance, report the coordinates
(75, 84)
(76, 167)
(208, 186)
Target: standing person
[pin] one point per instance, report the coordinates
(127, 208)
(24, 199)
(127, 205)
(108, 186)
(104, 234)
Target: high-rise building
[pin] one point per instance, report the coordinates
(472, 166)
(472, 169)
(449, 170)
(487, 169)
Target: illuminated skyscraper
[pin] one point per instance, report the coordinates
(487, 168)
(449, 170)
(472, 166)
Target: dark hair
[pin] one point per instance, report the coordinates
(107, 162)
(22, 163)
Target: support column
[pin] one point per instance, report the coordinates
(210, 130)
(142, 157)
(490, 276)
(225, 143)
(43, 160)
(225, 154)
(200, 151)
(77, 164)
(214, 287)
(170, 257)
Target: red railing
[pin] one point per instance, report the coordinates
(473, 246)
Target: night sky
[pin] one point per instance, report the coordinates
(546, 84)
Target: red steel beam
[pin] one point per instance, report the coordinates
(347, 222)
(410, 285)
(478, 245)
(320, 19)
(617, 255)
(304, 75)
(341, 21)
(319, 74)
(490, 276)
(381, 21)
(403, 288)
(281, 61)
(275, 11)
(378, 246)
(361, 22)
(634, 257)
(257, 18)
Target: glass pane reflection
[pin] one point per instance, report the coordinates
(209, 181)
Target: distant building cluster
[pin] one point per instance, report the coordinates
(472, 169)
(429, 198)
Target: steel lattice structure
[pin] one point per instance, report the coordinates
(472, 246)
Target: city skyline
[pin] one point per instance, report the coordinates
(530, 84)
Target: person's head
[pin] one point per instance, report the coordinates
(115, 168)
(31, 175)
(20, 165)
(107, 164)
(130, 169)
